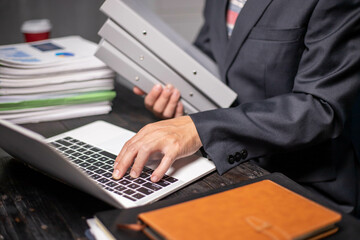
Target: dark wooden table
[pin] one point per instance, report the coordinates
(34, 206)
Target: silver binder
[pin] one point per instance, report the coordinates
(129, 46)
(130, 70)
(185, 59)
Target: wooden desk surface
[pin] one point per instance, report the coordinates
(34, 206)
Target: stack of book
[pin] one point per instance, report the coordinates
(52, 80)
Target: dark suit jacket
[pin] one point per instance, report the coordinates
(295, 67)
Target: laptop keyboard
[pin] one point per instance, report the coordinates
(98, 164)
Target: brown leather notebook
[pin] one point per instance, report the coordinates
(262, 210)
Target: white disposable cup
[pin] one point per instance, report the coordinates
(36, 30)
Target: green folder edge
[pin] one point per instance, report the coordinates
(79, 99)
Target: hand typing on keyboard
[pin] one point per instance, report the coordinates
(98, 164)
(175, 138)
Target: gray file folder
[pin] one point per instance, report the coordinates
(185, 60)
(129, 46)
(130, 70)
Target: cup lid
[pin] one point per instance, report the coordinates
(36, 26)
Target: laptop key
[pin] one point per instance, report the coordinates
(144, 175)
(111, 184)
(146, 169)
(107, 174)
(99, 164)
(95, 149)
(132, 199)
(107, 154)
(139, 181)
(100, 171)
(171, 179)
(145, 191)
(138, 196)
(124, 182)
(163, 183)
(111, 162)
(91, 160)
(62, 149)
(76, 154)
(55, 145)
(92, 168)
(129, 192)
(68, 138)
(133, 186)
(62, 142)
(83, 157)
(152, 186)
(107, 167)
(103, 180)
(88, 152)
(84, 165)
(120, 188)
(78, 161)
(95, 176)
(103, 159)
(95, 155)
(69, 151)
(128, 177)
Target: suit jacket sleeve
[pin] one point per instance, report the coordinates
(324, 88)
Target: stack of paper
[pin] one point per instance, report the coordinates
(53, 79)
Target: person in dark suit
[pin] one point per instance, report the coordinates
(295, 67)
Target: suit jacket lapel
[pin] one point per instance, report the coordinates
(219, 21)
(223, 9)
(248, 17)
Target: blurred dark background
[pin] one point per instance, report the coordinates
(82, 17)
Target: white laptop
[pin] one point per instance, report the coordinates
(84, 158)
